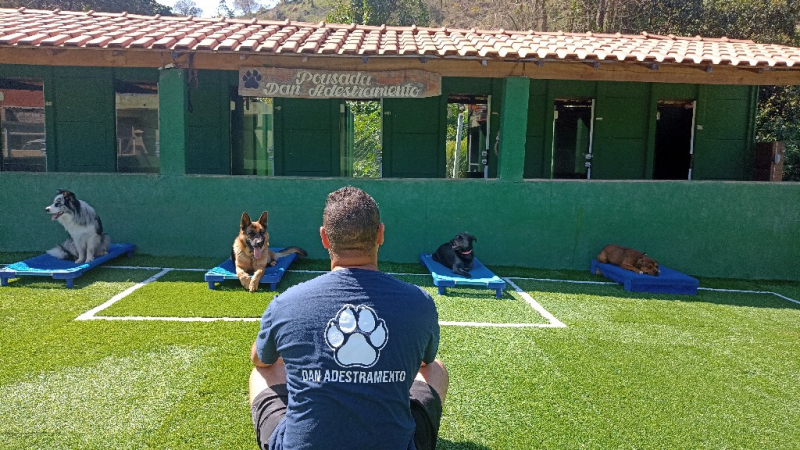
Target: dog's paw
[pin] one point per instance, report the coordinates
(356, 336)
(253, 286)
(245, 280)
(272, 263)
(79, 261)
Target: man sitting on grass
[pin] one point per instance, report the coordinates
(347, 360)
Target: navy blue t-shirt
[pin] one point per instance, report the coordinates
(352, 341)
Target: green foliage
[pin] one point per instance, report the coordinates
(778, 119)
(452, 127)
(366, 138)
(379, 12)
(145, 7)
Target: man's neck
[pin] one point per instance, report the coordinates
(355, 262)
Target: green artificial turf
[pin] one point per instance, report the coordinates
(630, 370)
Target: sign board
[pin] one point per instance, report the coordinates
(304, 83)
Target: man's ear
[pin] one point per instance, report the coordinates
(381, 230)
(324, 236)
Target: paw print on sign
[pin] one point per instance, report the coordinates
(251, 79)
(356, 335)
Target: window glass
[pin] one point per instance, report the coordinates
(467, 135)
(22, 126)
(137, 127)
(258, 147)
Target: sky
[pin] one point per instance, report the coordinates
(209, 7)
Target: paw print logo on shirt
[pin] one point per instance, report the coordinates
(356, 335)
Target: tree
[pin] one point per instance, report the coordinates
(144, 7)
(246, 7)
(379, 12)
(187, 8)
(223, 10)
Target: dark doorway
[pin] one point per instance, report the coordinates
(572, 138)
(674, 146)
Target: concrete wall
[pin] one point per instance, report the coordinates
(704, 228)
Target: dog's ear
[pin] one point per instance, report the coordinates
(472, 238)
(263, 219)
(68, 196)
(246, 220)
(59, 191)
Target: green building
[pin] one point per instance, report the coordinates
(546, 146)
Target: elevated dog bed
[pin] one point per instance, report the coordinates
(59, 269)
(444, 278)
(272, 275)
(669, 282)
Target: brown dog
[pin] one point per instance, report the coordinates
(628, 259)
(251, 254)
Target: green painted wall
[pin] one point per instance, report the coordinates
(707, 228)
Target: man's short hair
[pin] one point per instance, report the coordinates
(351, 220)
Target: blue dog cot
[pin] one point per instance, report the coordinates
(59, 269)
(668, 282)
(272, 275)
(444, 278)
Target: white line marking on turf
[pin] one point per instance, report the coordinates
(553, 322)
(562, 281)
(536, 306)
(176, 319)
(741, 291)
(89, 315)
(92, 314)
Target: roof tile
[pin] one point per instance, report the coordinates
(34, 28)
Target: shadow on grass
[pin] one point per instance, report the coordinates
(479, 293)
(746, 299)
(97, 274)
(444, 444)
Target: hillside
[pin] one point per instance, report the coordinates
(465, 14)
(303, 11)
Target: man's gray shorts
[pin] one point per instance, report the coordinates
(269, 408)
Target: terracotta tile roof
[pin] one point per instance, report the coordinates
(23, 28)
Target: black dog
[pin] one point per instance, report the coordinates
(457, 255)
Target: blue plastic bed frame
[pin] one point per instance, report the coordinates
(444, 278)
(669, 282)
(272, 275)
(59, 269)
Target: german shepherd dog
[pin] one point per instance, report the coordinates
(251, 254)
(86, 237)
(457, 255)
(629, 259)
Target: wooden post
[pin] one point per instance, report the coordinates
(513, 128)
(172, 98)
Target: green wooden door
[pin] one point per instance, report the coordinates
(208, 118)
(307, 137)
(85, 120)
(413, 137)
(620, 137)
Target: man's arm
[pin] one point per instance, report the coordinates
(254, 357)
